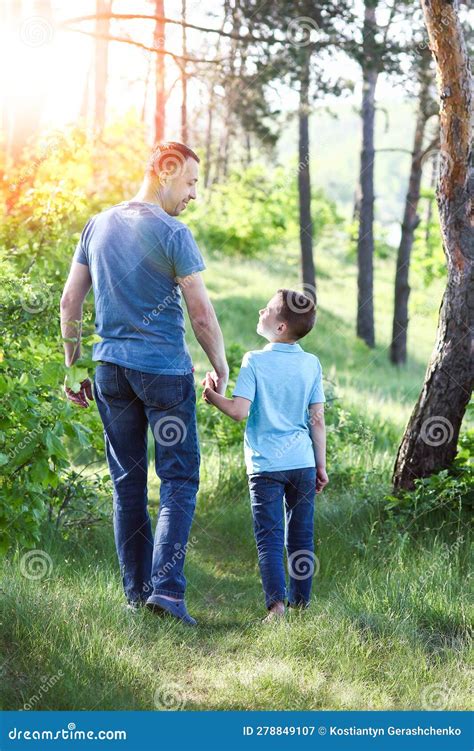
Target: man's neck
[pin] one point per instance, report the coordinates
(148, 194)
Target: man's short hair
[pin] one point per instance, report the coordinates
(169, 155)
(297, 310)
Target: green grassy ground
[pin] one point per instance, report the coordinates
(388, 625)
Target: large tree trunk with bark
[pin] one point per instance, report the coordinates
(398, 348)
(430, 441)
(160, 91)
(365, 244)
(304, 188)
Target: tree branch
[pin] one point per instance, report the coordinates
(111, 38)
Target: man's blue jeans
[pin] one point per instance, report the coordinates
(276, 497)
(128, 401)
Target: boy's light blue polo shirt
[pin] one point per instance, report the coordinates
(281, 380)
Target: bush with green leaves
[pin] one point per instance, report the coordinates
(443, 500)
(40, 435)
(255, 212)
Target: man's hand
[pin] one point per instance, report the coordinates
(219, 381)
(80, 397)
(322, 479)
(209, 385)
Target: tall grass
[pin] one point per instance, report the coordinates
(388, 627)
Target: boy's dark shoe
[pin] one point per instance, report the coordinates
(162, 606)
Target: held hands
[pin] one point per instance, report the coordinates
(209, 384)
(80, 397)
(322, 479)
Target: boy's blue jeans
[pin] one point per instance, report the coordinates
(276, 497)
(128, 401)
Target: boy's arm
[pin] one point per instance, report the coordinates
(237, 407)
(318, 436)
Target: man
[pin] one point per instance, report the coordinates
(139, 258)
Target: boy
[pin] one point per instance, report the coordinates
(280, 389)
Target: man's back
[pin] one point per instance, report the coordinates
(135, 251)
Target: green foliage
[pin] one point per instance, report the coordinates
(382, 248)
(438, 501)
(215, 427)
(428, 259)
(254, 212)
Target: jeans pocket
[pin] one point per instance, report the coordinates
(162, 391)
(106, 379)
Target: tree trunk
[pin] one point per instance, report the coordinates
(207, 160)
(304, 188)
(101, 64)
(160, 96)
(365, 245)
(184, 80)
(398, 348)
(430, 440)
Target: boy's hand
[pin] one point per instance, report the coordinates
(209, 385)
(322, 479)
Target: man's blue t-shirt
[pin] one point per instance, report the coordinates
(281, 381)
(135, 251)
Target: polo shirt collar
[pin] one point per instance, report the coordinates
(283, 347)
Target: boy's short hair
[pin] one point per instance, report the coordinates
(168, 154)
(297, 310)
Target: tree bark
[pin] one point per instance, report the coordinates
(304, 188)
(160, 95)
(398, 347)
(365, 244)
(430, 440)
(101, 63)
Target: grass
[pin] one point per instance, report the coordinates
(388, 625)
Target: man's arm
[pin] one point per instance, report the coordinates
(75, 290)
(318, 436)
(205, 326)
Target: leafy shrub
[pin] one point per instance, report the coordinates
(440, 500)
(255, 211)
